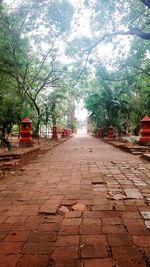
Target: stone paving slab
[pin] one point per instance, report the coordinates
(82, 204)
(146, 156)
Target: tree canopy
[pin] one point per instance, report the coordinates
(54, 53)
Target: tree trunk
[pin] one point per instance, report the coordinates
(3, 132)
(37, 127)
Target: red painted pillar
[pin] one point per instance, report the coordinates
(145, 131)
(26, 133)
(63, 133)
(69, 132)
(66, 132)
(101, 132)
(54, 133)
(110, 132)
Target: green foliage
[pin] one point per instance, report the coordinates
(8, 114)
(33, 74)
(60, 13)
(120, 16)
(122, 104)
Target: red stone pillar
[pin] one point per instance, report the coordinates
(54, 133)
(26, 133)
(145, 131)
(110, 132)
(69, 132)
(101, 132)
(63, 133)
(66, 132)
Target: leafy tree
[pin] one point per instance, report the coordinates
(8, 114)
(33, 73)
(112, 18)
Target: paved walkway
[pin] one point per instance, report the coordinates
(82, 204)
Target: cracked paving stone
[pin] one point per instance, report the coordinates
(145, 215)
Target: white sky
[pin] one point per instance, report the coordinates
(80, 112)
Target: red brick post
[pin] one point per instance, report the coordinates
(100, 132)
(63, 133)
(54, 133)
(110, 132)
(26, 133)
(145, 131)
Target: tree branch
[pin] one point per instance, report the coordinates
(43, 84)
(139, 33)
(26, 16)
(43, 61)
(130, 32)
(142, 70)
(122, 79)
(146, 3)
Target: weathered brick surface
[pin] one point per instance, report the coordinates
(73, 214)
(69, 230)
(73, 208)
(142, 241)
(126, 252)
(65, 241)
(37, 248)
(5, 227)
(94, 251)
(131, 263)
(92, 221)
(113, 229)
(93, 246)
(40, 236)
(48, 227)
(8, 248)
(2, 235)
(71, 221)
(98, 263)
(90, 240)
(93, 229)
(33, 261)
(119, 240)
(112, 221)
(9, 260)
(17, 236)
(137, 230)
(62, 253)
(67, 263)
(131, 215)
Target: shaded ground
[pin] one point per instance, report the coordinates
(84, 203)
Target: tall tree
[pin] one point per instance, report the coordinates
(33, 63)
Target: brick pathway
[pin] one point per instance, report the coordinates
(84, 203)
